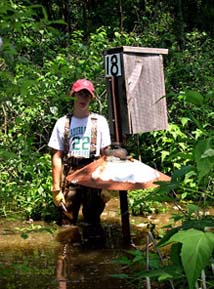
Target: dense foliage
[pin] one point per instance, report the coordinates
(46, 45)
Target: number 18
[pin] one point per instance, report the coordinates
(113, 65)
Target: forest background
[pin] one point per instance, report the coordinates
(47, 44)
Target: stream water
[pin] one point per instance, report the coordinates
(31, 257)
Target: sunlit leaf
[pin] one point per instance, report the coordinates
(164, 154)
(165, 276)
(196, 250)
(203, 154)
(208, 153)
(185, 120)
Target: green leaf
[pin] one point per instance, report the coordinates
(117, 34)
(194, 97)
(185, 120)
(164, 154)
(193, 209)
(178, 174)
(196, 250)
(208, 153)
(24, 236)
(203, 155)
(167, 237)
(5, 155)
(175, 254)
(164, 276)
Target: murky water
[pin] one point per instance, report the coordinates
(31, 257)
(50, 268)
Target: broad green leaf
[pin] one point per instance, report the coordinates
(178, 174)
(166, 187)
(167, 273)
(167, 237)
(203, 154)
(175, 254)
(194, 97)
(196, 250)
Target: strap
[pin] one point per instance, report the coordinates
(66, 135)
(93, 133)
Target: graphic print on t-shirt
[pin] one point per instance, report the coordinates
(80, 138)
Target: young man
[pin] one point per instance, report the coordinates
(77, 139)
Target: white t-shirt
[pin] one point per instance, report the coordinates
(80, 135)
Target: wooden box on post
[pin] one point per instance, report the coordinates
(136, 89)
(136, 102)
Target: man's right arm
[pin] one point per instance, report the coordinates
(57, 168)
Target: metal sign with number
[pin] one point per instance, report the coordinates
(113, 65)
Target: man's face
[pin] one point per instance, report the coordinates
(82, 99)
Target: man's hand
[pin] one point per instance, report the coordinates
(58, 197)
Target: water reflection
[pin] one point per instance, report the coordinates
(81, 266)
(91, 269)
(40, 261)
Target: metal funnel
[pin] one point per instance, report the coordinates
(111, 173)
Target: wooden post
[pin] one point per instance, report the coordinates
(124, 210)
(123, 195)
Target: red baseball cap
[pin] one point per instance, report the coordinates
(81, 84)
